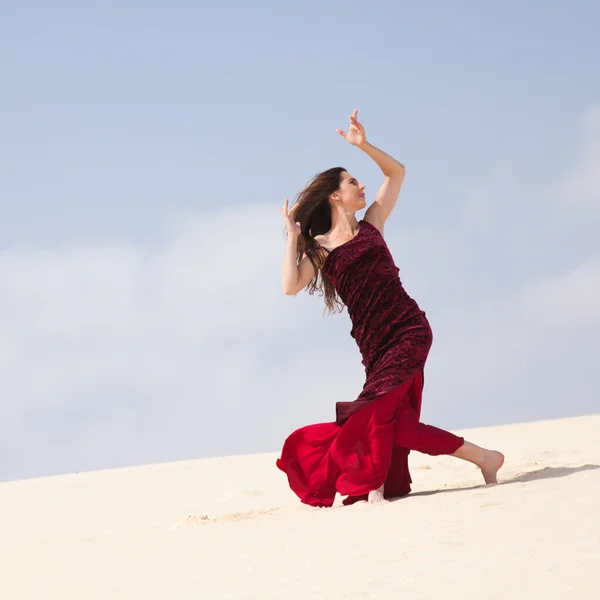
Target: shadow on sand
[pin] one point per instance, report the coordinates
(545, 473)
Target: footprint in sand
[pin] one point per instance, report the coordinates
(193, 520)
(232, 517)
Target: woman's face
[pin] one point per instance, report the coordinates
(351, 194)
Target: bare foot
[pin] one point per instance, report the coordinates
(376, 496)
(491, 465)
(489, 461)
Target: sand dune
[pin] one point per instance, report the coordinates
(230, 528)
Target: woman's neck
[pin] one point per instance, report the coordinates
(343, 222)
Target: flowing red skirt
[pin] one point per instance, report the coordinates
(369, 449)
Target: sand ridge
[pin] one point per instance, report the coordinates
(231, 528)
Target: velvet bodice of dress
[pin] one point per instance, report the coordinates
(391, 331)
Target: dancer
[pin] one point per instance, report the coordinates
(363, 455)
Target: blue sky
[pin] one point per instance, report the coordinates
(146, 149)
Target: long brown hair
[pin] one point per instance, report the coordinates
(313, 212)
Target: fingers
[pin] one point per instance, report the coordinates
(288, 213)
(354, 119)
(353, 124)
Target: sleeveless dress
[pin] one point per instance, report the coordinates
(369, 442)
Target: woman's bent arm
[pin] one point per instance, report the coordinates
(389, 191)
(295, 277)
(389, 166)
(393, 171)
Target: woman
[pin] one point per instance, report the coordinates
(364, 454)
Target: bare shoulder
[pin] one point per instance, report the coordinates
(372, 217)
(323, 241)
(315, 258)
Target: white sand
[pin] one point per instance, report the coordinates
(230, 528)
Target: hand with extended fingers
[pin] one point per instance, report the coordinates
(291, 226)
(356, 134)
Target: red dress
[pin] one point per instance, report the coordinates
(369, 442)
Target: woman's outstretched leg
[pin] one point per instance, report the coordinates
(489, 461)
(414, 435)
(433, 441)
